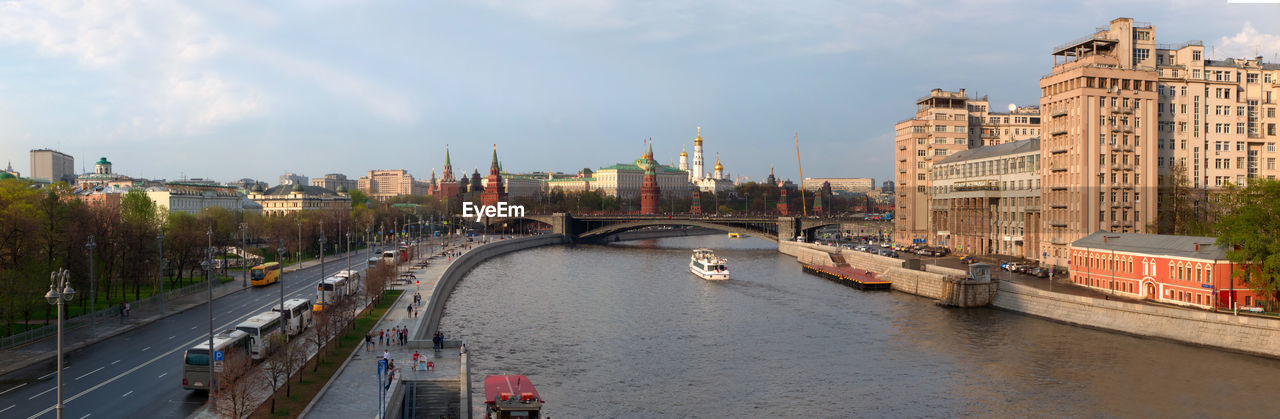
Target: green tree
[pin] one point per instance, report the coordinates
(1183, 209)
(1250, 231)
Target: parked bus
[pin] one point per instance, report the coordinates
(262, 328)
(352, 279)
(389, 256)
(195, 362)
(297, 315)
(329, 291)
(264, 274)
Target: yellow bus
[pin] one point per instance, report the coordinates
(264, 274)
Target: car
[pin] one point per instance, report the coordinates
(888, 252)
(1040, 272)
(1010, 266)
(967, 260)
(1022, 269)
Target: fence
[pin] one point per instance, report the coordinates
(155, 302)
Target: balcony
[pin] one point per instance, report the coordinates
(1120, 128)
(1058, 169)
(1058, 150)
(1058, 188)
(1058, 207)
(1057, 132)
(1060, 113)
(1122, 109)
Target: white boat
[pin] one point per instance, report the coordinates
(707, 266)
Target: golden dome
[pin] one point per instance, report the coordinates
(718, 166)
(683, 153)
(698, 139)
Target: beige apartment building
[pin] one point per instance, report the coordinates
(945, 123)
(333, 181)
(286, 199)
(850, 184)
(384, 184)
(987, 200)
(52, 166)
(1098, 172)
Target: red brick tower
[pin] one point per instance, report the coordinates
(783, 208)
(494, 192)
(696, 208)
(649, 192)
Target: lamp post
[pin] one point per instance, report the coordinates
(60, 280)
(281, 250)
(299, 266)
(321, 242)
(163, 263)
(93, 324)
(207, 265)
(244, 255)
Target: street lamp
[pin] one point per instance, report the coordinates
(93, 323)
(281, 250)
(163, 264)
(206, 265)
(60, 280)
(244, 255)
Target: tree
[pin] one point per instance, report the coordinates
(1250, 231)
(1181, 205)
(325, 326)
(277, 366)
(234, 389)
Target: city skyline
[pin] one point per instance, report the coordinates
(341, 87)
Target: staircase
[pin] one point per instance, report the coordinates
(838, 259)
(431, 399)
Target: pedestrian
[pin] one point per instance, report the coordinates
(382, 336)
(415, 357)
(408, 310)
(127, 309)
(415, 313)
(386, 354)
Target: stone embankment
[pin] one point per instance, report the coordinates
(946, 285)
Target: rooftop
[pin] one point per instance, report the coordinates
(1153, 244)
(1029, 145)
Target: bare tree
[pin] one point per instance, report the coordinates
(277, 366)
(234, 387)
(323, 330)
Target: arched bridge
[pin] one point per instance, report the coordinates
(596, 227)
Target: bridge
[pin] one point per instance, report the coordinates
(585, 228)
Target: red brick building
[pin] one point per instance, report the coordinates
(1182, 270)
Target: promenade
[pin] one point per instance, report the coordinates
(353, 392)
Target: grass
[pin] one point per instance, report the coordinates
(308, 384)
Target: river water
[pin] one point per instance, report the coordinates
(624, 330)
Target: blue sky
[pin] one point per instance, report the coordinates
(228, 89)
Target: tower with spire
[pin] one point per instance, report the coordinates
(697, 156)
(649, 192)
(773, 181)
(447, 187)
(494, 191)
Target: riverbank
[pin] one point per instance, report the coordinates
(1245, 334)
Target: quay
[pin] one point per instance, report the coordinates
(861, 279)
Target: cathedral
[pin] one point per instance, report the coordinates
(716, 181)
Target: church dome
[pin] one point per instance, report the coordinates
(718, 165)
(342, 188)
(7, 175)
(297, 187)
(697, 140)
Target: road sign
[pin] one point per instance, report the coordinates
(1206, 286)
(217, 356)
(382, 365)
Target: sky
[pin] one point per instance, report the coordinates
(228, 89)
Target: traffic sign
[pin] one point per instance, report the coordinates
(217, 356)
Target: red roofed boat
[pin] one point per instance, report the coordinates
(511, 396)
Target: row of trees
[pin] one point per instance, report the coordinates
(141, 248)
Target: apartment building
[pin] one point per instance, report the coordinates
(987, 200)
(1098, 171)
(945, 123)
(52, 166)
(334, 181)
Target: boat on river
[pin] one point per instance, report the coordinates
(706, 265)
(511, 396)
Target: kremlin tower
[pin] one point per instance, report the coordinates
(447, 186)
(494, 192)
(696, 173)
(649, 192)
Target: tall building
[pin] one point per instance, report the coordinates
(384, 184)
(1098, 170)
(494, 192)
(649, 192)
(684, 160)
(987, 200)
(52, 166)
(939, 128)
(447, 186)
(333, 181)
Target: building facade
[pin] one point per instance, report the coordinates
(624, 180)
(1183, 270)
(52, 166)
(333, 181)
(193, 198)
(292, 178)
(852, 184)
(384, 184)
(987, 200)
(285, 199)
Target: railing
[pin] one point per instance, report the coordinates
(1081, 40)
(1180, 46)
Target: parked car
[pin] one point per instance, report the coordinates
(967, 260)
(1039, 272)
(1009, 266)
(888, 252)
(1022, 269)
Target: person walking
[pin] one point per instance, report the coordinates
(382, 337)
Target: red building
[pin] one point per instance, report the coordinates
(495, 192)
(447, 187)
(1183, 270)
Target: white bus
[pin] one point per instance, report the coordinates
(297, 315)
(262, 329)
(195, 362)
(352, 280)
(330, 290)
(389, 256)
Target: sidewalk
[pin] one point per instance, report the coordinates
(44, 350)
(353, 392)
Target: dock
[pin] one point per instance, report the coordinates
(860, 279)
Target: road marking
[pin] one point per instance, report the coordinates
(171, 337)
(127, 394)
(162, 375)
(115, 362)
(82, 417)
(43, 393)
(12, 389)
(230, 311)
(90, 372)
(47, 375)
(194, 327)
(7, 408)
(145, 349)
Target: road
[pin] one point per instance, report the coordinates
(139, 373)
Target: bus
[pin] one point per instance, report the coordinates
(262, 329)
(329, 291)
(389, 256)
(352, 279)
(195, 362)
(296, 314)
(264, 274)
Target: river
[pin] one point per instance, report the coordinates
(624, 330)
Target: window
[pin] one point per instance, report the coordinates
(1252, 78)
(1195, 55)
(920, 153)
(939, 152)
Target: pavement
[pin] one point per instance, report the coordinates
(354, 391)
(134, 368)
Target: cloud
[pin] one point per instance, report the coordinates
(156, 56)
(1248, 43)
(379, 100)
